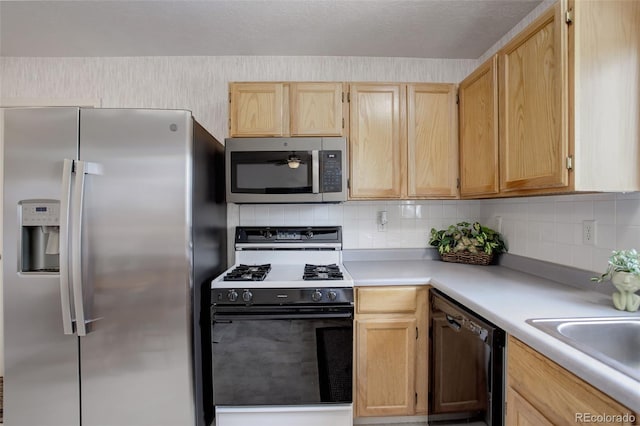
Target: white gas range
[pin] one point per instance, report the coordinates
(283, 330)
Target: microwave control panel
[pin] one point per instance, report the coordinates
(331, 171)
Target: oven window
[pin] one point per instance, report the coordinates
(271, 172)
(282, 362)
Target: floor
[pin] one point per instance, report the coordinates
(378, 424)
(431, 424)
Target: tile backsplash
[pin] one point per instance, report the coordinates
(408, 222)
(550, 228)
(546, 228)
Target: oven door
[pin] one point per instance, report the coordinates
(276, 356)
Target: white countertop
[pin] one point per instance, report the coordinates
(507, 298)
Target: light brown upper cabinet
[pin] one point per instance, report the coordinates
(403, 141)
(317, 109)
(286, 109)
(533, 107)
(377, 143)
(478, 109)
(569, 103)
(432, 139)
(256, 109)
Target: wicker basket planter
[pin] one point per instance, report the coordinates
(464, 242)
(468, 258)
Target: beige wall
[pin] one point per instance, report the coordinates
(200, 84)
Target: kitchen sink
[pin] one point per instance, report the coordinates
(613, 340)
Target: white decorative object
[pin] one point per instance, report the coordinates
(625, 298)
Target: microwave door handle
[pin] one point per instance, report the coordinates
(315, 171)
(65, 289)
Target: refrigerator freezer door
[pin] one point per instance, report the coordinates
(41, 363)
(136, 359)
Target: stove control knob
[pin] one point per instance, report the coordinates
(232, 295)
(316, 296)
(332, 295)
(247, 296)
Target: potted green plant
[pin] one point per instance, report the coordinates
(467, 243)
(623, 270)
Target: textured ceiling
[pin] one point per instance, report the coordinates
(387, 28)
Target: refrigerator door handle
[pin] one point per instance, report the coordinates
(65, 289)
(82, 168)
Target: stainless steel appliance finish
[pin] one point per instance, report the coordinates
(283, 345)
(465, 323)
(110, 338)
(286, 170)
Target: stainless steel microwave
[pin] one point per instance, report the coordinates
(286, 170)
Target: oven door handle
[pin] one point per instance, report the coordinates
(280, 316)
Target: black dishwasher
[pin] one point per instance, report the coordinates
(466, 364)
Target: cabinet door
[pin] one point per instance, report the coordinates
(458, 383)
(432, 139)
(377, 145)
(556, 393)
(316, 109)
(385, 372)
(521, 413)
(533, 106)
(256, 109)
(479, 131)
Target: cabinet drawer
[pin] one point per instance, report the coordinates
(385, 300)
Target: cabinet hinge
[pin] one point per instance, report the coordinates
(458, 183)
(229, 97)
(348, 96)
(570, 162)
(416, 333)
(568, 16)
(348, 183)
(416, 398)
(343, 122)
(457, 99)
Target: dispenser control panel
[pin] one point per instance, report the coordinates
(46, 213)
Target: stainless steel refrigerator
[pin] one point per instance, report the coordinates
(114, 221)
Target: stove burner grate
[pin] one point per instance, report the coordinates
(248, 273)
(322, 272)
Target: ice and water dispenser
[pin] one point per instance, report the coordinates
(40, 226)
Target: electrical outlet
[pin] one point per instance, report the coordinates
(589, 232)
(382, 221)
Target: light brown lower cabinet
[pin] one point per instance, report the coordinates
(391, 336)
(540, 392)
